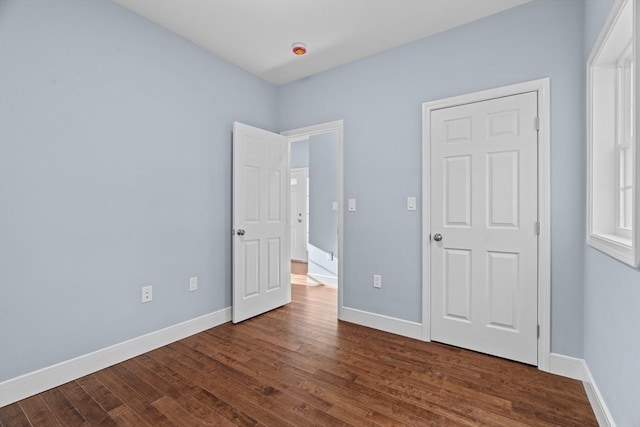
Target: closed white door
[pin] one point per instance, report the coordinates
(261, 263)
(299, 219)
(484, 217)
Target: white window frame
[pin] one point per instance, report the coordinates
(605, 137)
(624, 139)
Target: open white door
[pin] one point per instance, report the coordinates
(299, 213)
(261, 263)
(484, 215)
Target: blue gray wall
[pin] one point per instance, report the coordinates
(612, 300)
(323, 191)
(380, 100)
(299, 156)
(115, 150)
(115, 173)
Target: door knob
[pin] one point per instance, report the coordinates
(240, 232)
(437, 237)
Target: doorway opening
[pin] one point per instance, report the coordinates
(316, 205)
(299, 210)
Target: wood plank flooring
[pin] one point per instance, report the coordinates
(299, 366)
(300, 279)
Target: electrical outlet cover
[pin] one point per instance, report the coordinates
(147, 294)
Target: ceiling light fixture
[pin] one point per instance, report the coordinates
(298, 49)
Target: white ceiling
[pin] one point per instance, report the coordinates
(257, 35)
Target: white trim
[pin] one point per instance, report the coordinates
(338, 127)
(544, 215)
(620, 250)
(611, 245)
(18, 388)
(600, 409)
(299, 138)
(382, 323)
(567, 366)
(542, 87)
(323, 280)
(578, 369)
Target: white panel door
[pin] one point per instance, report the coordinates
(483, 222)
(299, 219)
(261, 263)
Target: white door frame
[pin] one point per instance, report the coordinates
(335, 126)
(542, 87)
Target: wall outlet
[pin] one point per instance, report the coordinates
(377, 281)
(193, 283)
(147, 294)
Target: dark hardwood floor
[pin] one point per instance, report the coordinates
(298, 366)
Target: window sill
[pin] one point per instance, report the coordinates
(618, 247)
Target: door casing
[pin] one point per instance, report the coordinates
(335, 126)
(542, 87)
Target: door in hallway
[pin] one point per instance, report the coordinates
(299, 201)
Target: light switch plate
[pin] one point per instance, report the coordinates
(411, 203)
(351, 203)
(334, 206)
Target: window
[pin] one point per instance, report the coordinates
(613, 194)
(625, 142)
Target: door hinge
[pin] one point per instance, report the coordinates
(538, 331)
(537, 120)
(537, 227)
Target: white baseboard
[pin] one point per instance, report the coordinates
(597, 402)
(323, 280)
(578, 369)
(26, 385)
(382, 323)
(567, 366)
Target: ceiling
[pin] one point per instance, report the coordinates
(257, 35)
